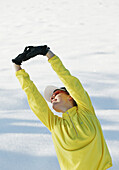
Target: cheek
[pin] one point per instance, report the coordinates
(58, 98)
(61, 99)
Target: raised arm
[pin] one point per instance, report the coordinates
(72, 84)
(36, 101)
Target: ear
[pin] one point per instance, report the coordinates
(70, 98)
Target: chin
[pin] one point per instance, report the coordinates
(55, 107)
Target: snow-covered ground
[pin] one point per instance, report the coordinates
(85, 35)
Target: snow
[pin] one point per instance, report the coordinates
(84, 34)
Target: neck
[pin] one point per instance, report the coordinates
(63, 110)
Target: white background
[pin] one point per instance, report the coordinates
(85, 35)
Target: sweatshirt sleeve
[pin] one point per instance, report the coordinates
(36, 101)
(72, 84)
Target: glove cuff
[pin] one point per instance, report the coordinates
(16, 62)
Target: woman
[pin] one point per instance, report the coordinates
(77, 135)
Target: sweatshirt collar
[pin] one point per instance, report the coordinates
(70, 112)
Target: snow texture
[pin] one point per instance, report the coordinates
(85, 35)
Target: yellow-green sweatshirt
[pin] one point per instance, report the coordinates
(77, 135)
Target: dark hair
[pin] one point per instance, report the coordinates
(74, 103)
(63, 89)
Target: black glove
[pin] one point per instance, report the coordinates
(37, 50)
(23, 56)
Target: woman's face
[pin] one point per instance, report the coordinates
(59, 100)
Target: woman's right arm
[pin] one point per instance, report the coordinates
(36, 101)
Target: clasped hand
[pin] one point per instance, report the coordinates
(30, 52)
